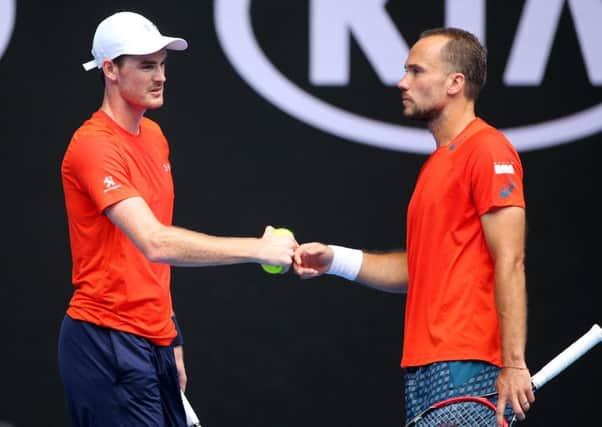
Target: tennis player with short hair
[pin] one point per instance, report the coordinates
(463, 269)
(116, 344)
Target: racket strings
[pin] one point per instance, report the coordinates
(460, 414)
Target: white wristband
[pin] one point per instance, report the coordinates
(346, 262)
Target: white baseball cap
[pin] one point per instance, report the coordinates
(128, 33)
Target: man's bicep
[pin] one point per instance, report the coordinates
(135, 219)
(504, 230)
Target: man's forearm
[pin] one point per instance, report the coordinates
(511, 301)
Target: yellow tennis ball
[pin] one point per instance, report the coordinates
(277, 269)
(273, 269)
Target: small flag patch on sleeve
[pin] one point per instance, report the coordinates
(503, 168)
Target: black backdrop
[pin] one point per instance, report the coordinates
(267, 350)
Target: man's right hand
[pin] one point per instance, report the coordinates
(312, 259)
(277, 248)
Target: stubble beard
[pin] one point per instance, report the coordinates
(421, 114)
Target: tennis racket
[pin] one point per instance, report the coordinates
(191, 419)
(466, 411)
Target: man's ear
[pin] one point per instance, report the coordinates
(109, 68)
(456, 84)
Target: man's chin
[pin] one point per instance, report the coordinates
(154, 105)
(420, 116)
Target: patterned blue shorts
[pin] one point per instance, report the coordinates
(429, 384)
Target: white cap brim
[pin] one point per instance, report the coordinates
(171, 43)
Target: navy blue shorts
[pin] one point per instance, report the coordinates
(113, 378)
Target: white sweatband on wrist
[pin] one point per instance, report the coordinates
(346, 262)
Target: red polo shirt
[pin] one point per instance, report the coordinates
(115, 285)
(450, 307)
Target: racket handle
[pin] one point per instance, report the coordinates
(191, 419)
(568, 356)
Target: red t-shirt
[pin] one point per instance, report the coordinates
(450, 307)
(115, 285)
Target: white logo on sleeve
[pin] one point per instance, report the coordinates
(503, 168)
(110, 184)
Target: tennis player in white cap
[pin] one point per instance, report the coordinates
(118, 337)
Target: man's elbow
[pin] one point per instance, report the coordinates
(154, 248)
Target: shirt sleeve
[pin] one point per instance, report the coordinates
(496, 174)
(102, 171)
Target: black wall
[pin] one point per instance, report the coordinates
(266, 350)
